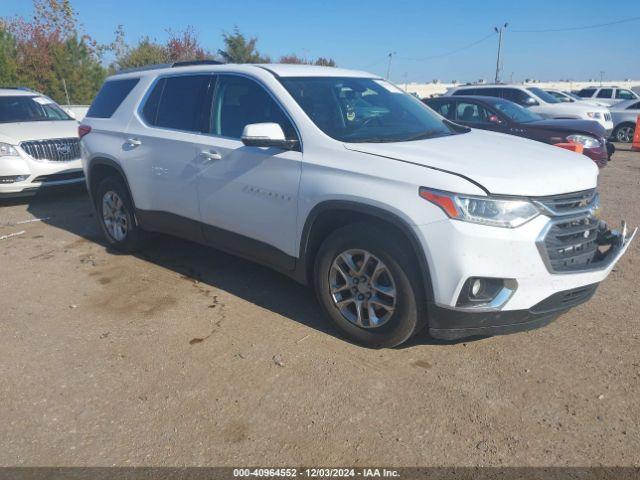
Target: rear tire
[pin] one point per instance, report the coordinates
(116, 215)
(369, 286)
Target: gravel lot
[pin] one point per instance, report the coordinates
(186, 356)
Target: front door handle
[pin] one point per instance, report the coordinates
(133, 142)
(210, 155)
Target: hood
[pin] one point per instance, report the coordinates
(22, 131)
(570, 126)
(502, 164)
(577, 107)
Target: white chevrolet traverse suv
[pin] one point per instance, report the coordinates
(540, 102)
(39, 144)
(399, 218)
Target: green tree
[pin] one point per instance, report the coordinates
(239, 49)
(50, 48)
(8, 56)
(146, 52)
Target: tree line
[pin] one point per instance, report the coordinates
(51, 53)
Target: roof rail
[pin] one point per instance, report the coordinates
(142, 69)
(188, 63)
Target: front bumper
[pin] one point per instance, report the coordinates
(456, 251)
(36, 174)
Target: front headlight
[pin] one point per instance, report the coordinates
(497, 212)
(7, 150)
(585, 140)
(594, 115)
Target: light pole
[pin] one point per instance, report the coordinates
(391, 54)
(601, 76)
(499, 31)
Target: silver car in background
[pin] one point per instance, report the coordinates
(624, 116)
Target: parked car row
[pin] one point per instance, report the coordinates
(399, 218)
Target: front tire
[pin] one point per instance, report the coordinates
(116, 215)
(624, 133)
(369, 286)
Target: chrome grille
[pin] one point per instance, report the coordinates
(570, 203)
(55, 150)
(570, 244)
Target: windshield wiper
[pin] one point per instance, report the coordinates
(425, 135)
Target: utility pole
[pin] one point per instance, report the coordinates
(499, 31)
(601, 76)
(66, 92)
(391, 54)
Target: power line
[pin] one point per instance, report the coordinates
(585, 27)
(452, 52)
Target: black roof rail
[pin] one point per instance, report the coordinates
(188, 63)
(143, 68)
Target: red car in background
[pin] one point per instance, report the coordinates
(500, 115)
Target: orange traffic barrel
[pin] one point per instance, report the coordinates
(636, 137)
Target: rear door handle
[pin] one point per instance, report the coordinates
(210, 155)
(134, 142)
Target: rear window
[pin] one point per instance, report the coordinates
(110, 96)
(466, 91)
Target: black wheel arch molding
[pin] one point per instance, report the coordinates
(304, 265)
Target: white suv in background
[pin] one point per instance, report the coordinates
(399, 218)
(39, 144)
(608, 95)
(540, 102)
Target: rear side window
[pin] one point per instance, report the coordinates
(586, 92)
(179, 103)
(605, 93)
(110, 96)
(443, 108)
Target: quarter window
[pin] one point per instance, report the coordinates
(239, 102)
(110, 96)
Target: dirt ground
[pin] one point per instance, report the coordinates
(187, 356)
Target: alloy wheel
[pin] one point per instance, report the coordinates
(625, 134)
(114, 216)
(362, 288)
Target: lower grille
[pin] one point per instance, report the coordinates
(59, 177)
(566, 299)
(570, 244)
(54, 150)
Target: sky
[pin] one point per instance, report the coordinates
(427, 37)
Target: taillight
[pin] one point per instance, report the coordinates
(83, 130)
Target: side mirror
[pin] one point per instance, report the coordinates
(530, 102)
(266, 135)
(495, 119)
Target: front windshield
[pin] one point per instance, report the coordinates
(365, 110)
(514, 111)
(573, 95)
(23, 108)
(544, 96)
(560, 96)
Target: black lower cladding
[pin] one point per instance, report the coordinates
(230, 242)
(450, 324)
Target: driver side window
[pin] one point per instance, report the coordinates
(240, 101)
(472, 112)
